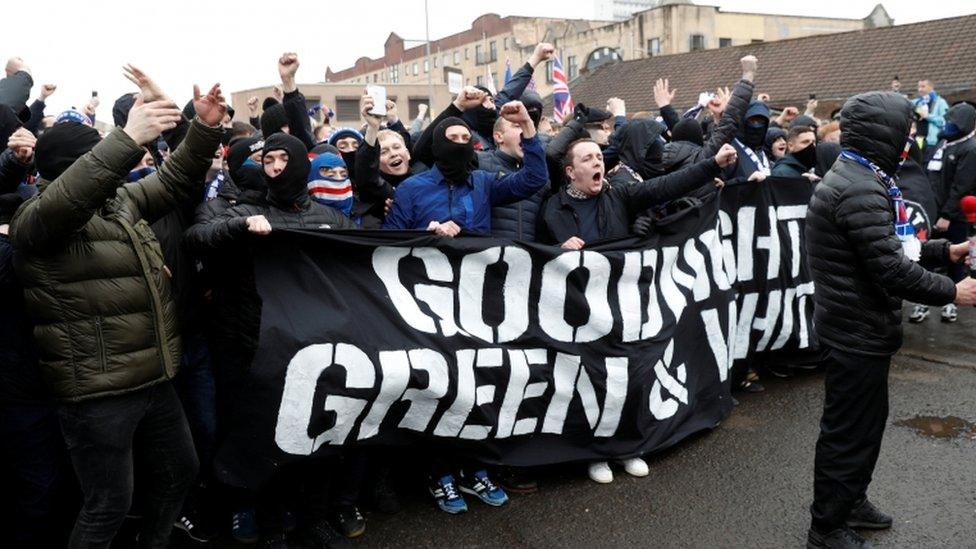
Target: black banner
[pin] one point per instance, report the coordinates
(511, 352)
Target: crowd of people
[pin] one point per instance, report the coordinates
(129, 315)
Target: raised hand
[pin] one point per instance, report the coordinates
(749, 64)
(252, 105)
(616, 106)
(147, 87)
(148, 120)
(391, 112)
(516, 113)
(366, 104)
(211, 108)
(663, 95)
(468, 98)
(47, 90)
(287, 67)
(544, 51)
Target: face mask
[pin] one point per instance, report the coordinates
(754, 134)
(333, 192)
(225, 137)
(250, 163)
(289, 189)
(454, 160)
(807, 156)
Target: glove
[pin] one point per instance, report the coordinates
(642, 227)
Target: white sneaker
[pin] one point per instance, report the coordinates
(635, 467)
(599, 471)
(949, 313)
(919, 314)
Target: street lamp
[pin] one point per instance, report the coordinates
(430, 64)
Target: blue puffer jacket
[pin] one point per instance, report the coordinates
(513, 221)
(429, 197)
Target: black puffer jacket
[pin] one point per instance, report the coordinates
(860, 271)
(515, 221)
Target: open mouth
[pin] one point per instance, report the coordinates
(597, 177)
(396, 163)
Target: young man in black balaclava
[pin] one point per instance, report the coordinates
(285, 167)
(801, 156)
(753, 164)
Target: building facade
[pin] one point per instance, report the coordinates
(479, 54)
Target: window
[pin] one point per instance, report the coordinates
(466, 56)
(505, 44)
(457, 57)
(724, 42)
(755, 41)
(492, 51)
(395, 74)
(696, 42)
(347, 109)
(494, 78)
(446, 61)
(376, 78)
(479, 56)
(573, 67)
(435, 61)
(549, 78)
(415, 70)
(426, 65)
(480, 81)
(654, 46)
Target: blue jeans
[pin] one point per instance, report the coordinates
(105, 437)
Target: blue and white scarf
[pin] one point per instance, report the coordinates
(910, 243)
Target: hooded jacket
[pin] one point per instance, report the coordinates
(860, 271)
(94, 278)
(639, 145)
(750, 140)
(956, 177)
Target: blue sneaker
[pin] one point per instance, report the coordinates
(480, 485)
(244, 527)
(447, 497)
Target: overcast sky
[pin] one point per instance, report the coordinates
(182, 42)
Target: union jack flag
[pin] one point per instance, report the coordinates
(562, 103)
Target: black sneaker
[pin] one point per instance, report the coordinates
(349, 521)
(322, 535)
(866, 515)
(841, 538)
(196, 527)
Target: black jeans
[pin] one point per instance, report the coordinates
(105, 437)
(853, 423)
(39, 493)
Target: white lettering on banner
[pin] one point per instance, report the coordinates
(552, 298)
(660, 407)
(570, 377)
(515, 294)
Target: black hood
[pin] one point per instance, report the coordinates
(754, 136)
(454, 160)
(827, 153)
(533, 104)
(61, 145)
(288, 191)
(875, 125)
(690, 130)
(273, 119)
(246, 177)
(960, 121)
(677, 155)
(772, 134)
(120, 111)
(638, 143)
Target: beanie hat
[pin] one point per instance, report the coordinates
(120, 111)
(59, 147)
(342, 133)
(273, 119)
(72, 115)
(330, 191)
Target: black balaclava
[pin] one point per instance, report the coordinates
(753, 135)
(288, 191)
(245, 175)
(120, 111)
(481, 119)
(273, 119)
(61, 145)
(9, 123)
(454, 160)
(689, 130)
(533, 104)
(807, 156)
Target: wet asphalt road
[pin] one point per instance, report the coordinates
(748, 483)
